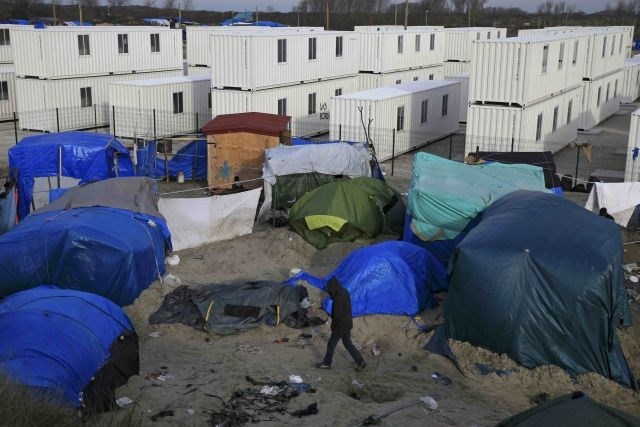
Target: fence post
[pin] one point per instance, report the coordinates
(15, 126)
(195, 163)
(95, 118)
(59, 165)
(197, 130)
(155, 138)
(577, 163)
(57, 120)
(450, 145)
(340, 132)
(113, 119)
(512, 142)
(393, 150)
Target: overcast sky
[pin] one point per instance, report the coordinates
(286, 5)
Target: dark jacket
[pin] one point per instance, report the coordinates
(341, 321)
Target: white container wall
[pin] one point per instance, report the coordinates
(181, 104)
(260, 59)
(631, 80)
(198, 71)
(39, 99)
(7, 93)
(458, 41)
(463, 78)
(307, 117)
(632, 168)
(368, 81)
(600, 99)
(523, 70)
(377, 28)
(61, 52)
(455, 67)
(6, 34)
(420, 112)
(384, 51)
(504, 128)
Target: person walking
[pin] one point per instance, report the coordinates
(341, 325)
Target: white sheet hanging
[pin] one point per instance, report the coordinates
(620, 199)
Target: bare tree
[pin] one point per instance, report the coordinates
(270, 9)
(169, 4)
(546, 8)
(149, 3)
(459, 6)
(186, 5)
(117, 3)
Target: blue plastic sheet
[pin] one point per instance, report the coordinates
(387, 278)
(111, 252)
(191, 160)
(58, 339)
(86, 156)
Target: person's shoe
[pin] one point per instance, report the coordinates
(323, 366)
(361, 367)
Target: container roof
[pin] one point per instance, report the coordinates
(260, 123)
(164, 81)
(388, 92)
(538, 38)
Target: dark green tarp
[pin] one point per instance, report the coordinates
(572, 410)
(367, 206)
(289, 188)
(540, 279)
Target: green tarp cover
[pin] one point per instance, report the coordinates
(369, 206)
(445, 195)
(289, 188)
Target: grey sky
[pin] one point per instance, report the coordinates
(286, 5)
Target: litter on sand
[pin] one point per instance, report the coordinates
(123, 401)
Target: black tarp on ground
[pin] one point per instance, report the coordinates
(540, 279)
(542, 159)
(572, 410)
(228, 308)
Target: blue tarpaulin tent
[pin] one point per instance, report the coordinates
(86, 156)
(190, 159)
(387, 278)
(58, 340)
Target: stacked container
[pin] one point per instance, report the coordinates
(368, 81)
(7, 72)
(631, 80)
(463, 78)
(458, 46)
(632, 168)
(66, 70)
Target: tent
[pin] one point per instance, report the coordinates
(387, 278)
(76, 346)
(344, 211)
(191, 160)
(571, 410)
(106, 238)
(229, 308)
(291, 171)
(543, 159)
(83, 156)
(548, 291)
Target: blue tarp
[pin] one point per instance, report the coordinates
(190, 159)
(86, 156)
(387, 278)
(58, 339)
(111, 252)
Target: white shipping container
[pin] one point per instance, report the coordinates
(74, 100)
(258, 60)
(62, 52)
(7, 93)
(198, 71)
(419, 112)
(463, 78)
(456, 67)
(181, 104)
(392, 50)
(368, 81)
(308, 104)
(631, 80)
(6, 33)
(377, 28)
(600, 99)
(547, 125)
(458, 41)
(524, 70)
(632, 167)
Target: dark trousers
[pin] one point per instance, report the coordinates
(346, 340)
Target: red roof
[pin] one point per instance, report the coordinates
(260, 123)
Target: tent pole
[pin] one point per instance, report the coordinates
(393, 150)
(59, 165)
(577, 163)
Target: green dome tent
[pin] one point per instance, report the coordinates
(344, 211)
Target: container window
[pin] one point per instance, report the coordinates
(282, 106)
(155, 42)
(312, 48)
(5, 38)
(488, 35)
(415, 79)
(606, 98)
(123, 43)
(613, 44)
(83, 45)
(545, 55)
(282, 50)
(338, 91)
(400, 41)
(599, 95)
(561, 56)
(555, 118)
(209, 99)
(445, 105)
(432, 42)
(417, 42)
(498, 36)
(312, 103)
(569, 108)
(477, 36)
(4, 91)
(178, 106)
(85, 97)
(398, 82)
(604, 45)
(339, 46)
(576, 44)
(424, 111)
(615, 89)
(400, 119)
(539, 127)
(430, 76)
